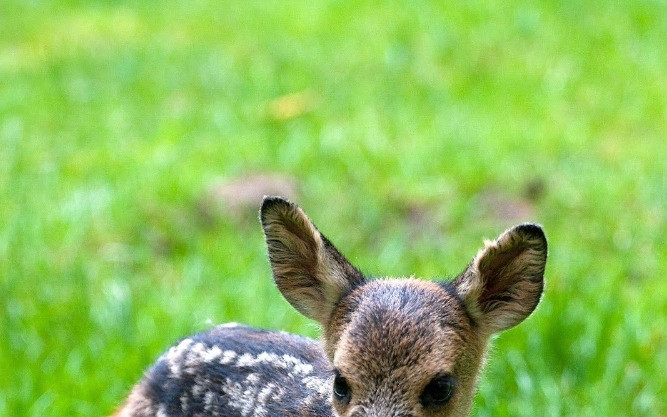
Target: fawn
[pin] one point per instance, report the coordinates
(391, 347)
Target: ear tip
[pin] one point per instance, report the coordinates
(270, 202)
(275, 207)
(533, 231)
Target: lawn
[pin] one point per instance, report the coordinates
(135, 137)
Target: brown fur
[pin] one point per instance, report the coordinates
(390, 337)
(406, 345)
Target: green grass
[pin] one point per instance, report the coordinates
(430, 126)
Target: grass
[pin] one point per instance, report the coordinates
(417, 129)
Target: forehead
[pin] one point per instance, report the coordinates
(402, 323)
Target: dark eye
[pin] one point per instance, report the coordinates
(439, 391)
(341, 389)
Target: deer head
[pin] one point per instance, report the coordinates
(403, 347)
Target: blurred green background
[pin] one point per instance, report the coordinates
(136, 137)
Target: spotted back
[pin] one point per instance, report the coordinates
(236, 371)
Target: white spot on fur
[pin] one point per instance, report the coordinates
(176, 356)
(319, 388)
(267, 392)
(184, 402)
(198, 387)
(162, 411)
(319, 385)
(194, 357)
(245, 399)
(245, 359)
(212, 354)
(208, 401)
(227, 357)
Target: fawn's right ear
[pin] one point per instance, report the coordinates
(504, 282)
(308, 270)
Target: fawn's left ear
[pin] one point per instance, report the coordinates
(308, 270)
(504, 282)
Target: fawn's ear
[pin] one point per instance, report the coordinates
(308, 270)
(504, 282)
